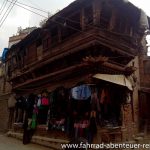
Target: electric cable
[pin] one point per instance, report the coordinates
(3, 6)
(36, 5)
(31, 7)
(30, 10)
(9, 10)
(6, 10)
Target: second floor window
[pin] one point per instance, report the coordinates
(46, 43)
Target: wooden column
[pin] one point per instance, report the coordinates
(59, 35)
(82, 19)
(113, 19)
(96, 11)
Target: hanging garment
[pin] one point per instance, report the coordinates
(44, 101)
(95, 102)
(105, 97)
(81, 92)
(42, 115)
(34, 121)
(39, 101)
(28, 131)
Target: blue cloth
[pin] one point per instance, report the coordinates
(81, 92)
(4, 54)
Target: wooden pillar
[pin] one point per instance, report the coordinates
(82, 19)
(113, 19)
(96, 11)
(59, 35)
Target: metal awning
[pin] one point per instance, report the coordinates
(117, 79)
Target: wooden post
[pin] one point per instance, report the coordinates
(113, 19)
(82, 19)
(59, 35)
(96, 12)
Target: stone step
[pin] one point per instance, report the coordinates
(140, 134)
(138, 139)
(45, 141)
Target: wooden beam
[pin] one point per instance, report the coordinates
(51, 74)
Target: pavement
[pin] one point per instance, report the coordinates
(9, 143)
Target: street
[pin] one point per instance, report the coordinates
(8, 143)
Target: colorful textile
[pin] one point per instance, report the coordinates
(34, 121)
(81, 92)
(105, 97)
(45, 101)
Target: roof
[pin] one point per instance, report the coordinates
(28, 39)
(122, 5)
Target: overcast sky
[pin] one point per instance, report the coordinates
(20, 17)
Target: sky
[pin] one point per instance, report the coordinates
(20, 17)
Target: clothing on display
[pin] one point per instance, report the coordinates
(76, 111)
(81, 92)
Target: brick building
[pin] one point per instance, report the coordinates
(5, 89)
(90, 44)
(144, 91)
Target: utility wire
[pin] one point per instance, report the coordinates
(30, 10)
(6, 11)
(31, 7)
(13, 3)
(34, 4)
(3, 6)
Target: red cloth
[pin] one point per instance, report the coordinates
(105, 97)
(44, 101)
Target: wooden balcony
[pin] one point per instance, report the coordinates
(79, 42)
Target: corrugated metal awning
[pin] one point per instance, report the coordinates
(117, 79)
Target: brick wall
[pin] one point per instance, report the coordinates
(5, 89)
(4, 113)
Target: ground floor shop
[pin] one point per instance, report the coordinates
(99, 111)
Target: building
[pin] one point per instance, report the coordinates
(5, 87)
(22, 33)
(91, 45)
(144, 91)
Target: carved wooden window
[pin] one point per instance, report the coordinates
(46, 44)
(54, 36)
(121, 23)
(31, 53)
(14, 62)
(71, 25)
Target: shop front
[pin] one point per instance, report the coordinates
(98, 111)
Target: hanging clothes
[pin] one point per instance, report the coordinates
(95, 101)
(82, 92)
(105, 96)
(44, 101)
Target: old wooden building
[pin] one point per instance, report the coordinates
(92, 44)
